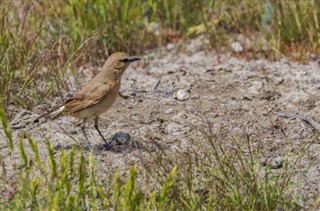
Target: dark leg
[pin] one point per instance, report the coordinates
(96, 119)
(83, 125)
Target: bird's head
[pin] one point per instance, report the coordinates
(118, 62)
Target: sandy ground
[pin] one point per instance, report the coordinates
(171, 95)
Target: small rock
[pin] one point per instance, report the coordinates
(173, 128)
(170, 46)
(182, 95)
(176, 129)
(276, 163)
(169, 111)
(237, 47)
(121, 138)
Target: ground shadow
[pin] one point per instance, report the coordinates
(119, 143)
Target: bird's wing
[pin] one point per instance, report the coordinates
(86, 97)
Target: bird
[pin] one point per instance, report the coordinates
(98, 95)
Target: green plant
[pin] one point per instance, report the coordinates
(215, 176)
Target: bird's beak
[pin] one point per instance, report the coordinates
(133, 59)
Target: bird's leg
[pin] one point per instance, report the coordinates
(96, 119)
(83, 125)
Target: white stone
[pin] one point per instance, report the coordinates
(237, 47)
(182, 95)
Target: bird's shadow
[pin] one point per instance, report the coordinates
(120, 142)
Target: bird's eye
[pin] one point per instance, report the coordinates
(125, 60)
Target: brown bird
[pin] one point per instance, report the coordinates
(98, 95)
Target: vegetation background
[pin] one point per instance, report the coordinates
(41, 42)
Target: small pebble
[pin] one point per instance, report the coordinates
(237, 47)
(170, 46)
(174, 128)
(169, 111)
(121, 138)
(182, 95)
(276, 163)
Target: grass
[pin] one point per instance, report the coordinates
(210, 176)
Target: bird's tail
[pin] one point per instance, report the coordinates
(51, 114)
